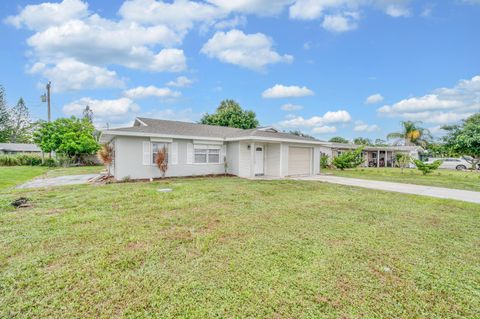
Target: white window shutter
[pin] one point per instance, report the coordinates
(147, 160)
(190, 153)
(173, 154)
(223, 153)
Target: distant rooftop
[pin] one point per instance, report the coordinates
(19, 147)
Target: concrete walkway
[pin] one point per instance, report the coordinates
(59, 181)
(440, 192)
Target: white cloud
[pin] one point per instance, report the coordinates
(374, 99)
(341, 22)
(252, 51)
(237, 21)
(142, 92)
(291, 107)
(69, 74)
(181, 81)
(361, 126)
(397, 11)
(340, 116)
(444, 105)
(324, 129)
(282, 91)
(44, 15)
(259, 7)
(111, 111)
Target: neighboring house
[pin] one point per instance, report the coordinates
(16, 148)
(375, 156)
(197, 149)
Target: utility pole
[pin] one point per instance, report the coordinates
(46, 98)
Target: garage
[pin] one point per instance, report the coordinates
(299, 160)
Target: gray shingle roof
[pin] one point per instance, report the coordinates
(179, 128)
(19, 147)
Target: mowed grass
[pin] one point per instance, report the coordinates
(442, 178)
(11, 176)
(234, 248)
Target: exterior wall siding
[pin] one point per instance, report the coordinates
(233, 158)
(244, 159)
(272, 159)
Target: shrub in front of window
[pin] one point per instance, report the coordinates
(162, 160)
(349, 159)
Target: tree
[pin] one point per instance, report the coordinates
(300, 133)
(324, 161)
(362, 141)
(105, 155)
(465, 139)
(88, 114)
(230, 113)
(426, 168)
(403, 160)
(380, 142)
(338, 139)
(72, 137)
(162, 160)
(21, 127)
(5, 128)
(349, 159)
(411, 134)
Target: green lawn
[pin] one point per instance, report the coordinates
(11, 176)
(234, 248)
(441, 178)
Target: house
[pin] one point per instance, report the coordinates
(196, 149)
(375, 156)
(18, 148)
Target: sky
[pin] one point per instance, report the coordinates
(346, 68)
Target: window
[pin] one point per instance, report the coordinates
(157, 147)
(206, 154)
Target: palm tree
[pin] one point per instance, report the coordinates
(412, 134)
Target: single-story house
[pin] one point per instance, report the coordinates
(18, 148)
(375, 156)
(196, 149)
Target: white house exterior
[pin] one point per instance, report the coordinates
(196, 149)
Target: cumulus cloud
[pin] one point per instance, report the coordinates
(181, 81)
(111, 111)
(361, 126)
(259, 7)
(324, 129)
(341, 22)
(142, 92)
(330, 117)
(69, 75)
(282, 91)
(374, 99)
(252, 51)
(237, 21)
(443, 105)
(291, 107)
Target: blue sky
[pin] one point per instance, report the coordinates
(327, 67)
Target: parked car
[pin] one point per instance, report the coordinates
(451, 163)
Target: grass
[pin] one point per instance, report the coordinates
(234, 248)
(15, 175)
(441, 178)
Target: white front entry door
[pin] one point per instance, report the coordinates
(259, 160)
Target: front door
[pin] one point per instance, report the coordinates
(259, 160)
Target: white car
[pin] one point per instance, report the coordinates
(451, 163)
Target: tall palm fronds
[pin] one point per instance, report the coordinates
(105, 155)
(412, 134)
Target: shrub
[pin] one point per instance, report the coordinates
(50, 162)
(349, 159)
(324, 161)
(427, 168)
(9, 160)
(29, 159)
(403, 160)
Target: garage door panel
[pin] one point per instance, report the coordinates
(299, 160)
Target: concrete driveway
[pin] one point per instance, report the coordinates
(59, 181)
(440, 192)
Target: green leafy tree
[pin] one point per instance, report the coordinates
(5, 128)
(324, 161)
(349, 159)
(231, 114)
(412, 134)
(403, 160)
(464, 139)
(380, 142)
(362, 141)
(338, 139)
(427, 168)
(21, 126)
(72, 137)
(300, 133)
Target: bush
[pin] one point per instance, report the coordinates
(9, 160)
(427, 168)
(29, 159)
(50, 162)
(349, 159)
(324, 161)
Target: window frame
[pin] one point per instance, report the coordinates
(153, 154)
(208, 151)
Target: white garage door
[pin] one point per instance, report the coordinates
(299, 160)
